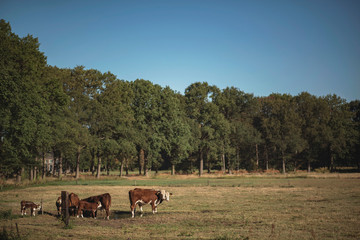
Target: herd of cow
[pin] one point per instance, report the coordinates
(137, 196)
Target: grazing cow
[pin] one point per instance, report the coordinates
(104, 199)
(58, 205)
(27, 204)
(89, 206)
(147, 196)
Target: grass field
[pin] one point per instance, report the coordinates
(252, 207)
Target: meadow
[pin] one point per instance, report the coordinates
(320, 206)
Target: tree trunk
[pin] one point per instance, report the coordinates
(43, 167)
(229, 165)
(31, 175)
(172, 169)
(98, 168)
(331, 163)
(223, 163)
(237, 158)
(18, 176)
(308, 167)
(257, 156)
(77, 174)
(35, 173)
(122, 167)
(141, 161)
(53, 165)
(60, 166)
(208, 165)
(283, 162)
(201, 167)
(266, 158)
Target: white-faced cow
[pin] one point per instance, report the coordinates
(88, 206)
(27, 204)
(141, 197)
(58, 205)
(104, 199)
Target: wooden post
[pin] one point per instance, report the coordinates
(41, 204)
(65, 207)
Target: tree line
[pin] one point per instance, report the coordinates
(96, 122)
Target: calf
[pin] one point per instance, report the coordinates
(58, 205)
(27, 204)
(104, 199)
(89, 206)
(141, 197)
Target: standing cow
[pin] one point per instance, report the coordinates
(27, 204)
(73, 203)
(104, 199)
(141, 197)
(89, 206)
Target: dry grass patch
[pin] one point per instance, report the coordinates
(228, 209)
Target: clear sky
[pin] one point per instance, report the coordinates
(258, 46)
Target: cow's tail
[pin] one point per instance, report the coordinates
(130, 197)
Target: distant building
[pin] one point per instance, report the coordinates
(49, 161)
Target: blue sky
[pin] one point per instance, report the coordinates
(258, 46)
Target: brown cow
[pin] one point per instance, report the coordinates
(27, 204)
(89, 206)
(141, 197)
(73, 203)
(104, 199)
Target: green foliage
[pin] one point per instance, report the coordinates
(92, 120)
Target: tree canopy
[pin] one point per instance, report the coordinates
(94, 121)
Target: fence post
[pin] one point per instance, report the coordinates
(41, 204)
(65, 207)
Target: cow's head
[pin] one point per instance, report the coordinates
(99, 205)
(165, 195)
(37, 207)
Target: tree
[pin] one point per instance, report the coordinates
(338, 122)
(239, 110)
(25, 92)
(175, 129)
(280, 126)
(206, 115)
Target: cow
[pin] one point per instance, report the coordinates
(27, 204)
(73, 203)
(141, 197)
(104, 199)
(58, 205)
(89, 206)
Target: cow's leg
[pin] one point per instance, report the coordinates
(132, 208)
(78, 213)
(153, 207)
(107, 213)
